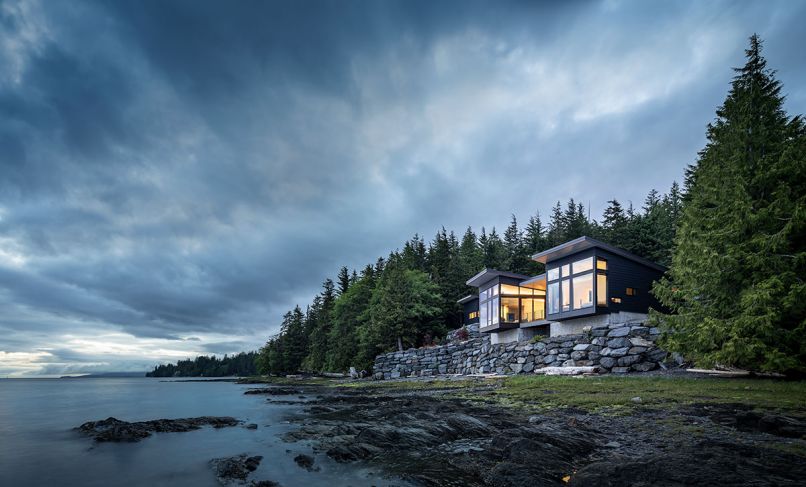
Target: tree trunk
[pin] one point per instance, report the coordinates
(399, 344)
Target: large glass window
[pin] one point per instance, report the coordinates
(494, 310)
(509, 289)
(583, 291)
(564, 270)
(553, 297)
(553, 274)
(565, 286)
(582, 265)
(601, 289)
(532, 309)
(509, 310)
(483, 314)
(494, 290)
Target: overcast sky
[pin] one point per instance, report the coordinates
(174, 176)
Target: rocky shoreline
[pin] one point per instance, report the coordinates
(430, 437)
(441, 435)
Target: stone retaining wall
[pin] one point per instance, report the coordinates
(618, 348)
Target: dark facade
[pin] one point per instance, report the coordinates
(470, 309)
(584, 277)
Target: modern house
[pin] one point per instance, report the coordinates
(587, 282)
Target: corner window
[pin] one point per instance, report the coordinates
(601, 289)
(553, 274)
(565, 270)
(601, 264)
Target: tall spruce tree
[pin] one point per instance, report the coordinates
(343, 280)
(515, 253)
(320, 327)
(736, 285)
(556, 233)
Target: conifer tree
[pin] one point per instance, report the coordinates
(343, 280)
(736, 287)
(494, 253)
(556, 233)
(320, 328)
(515, 253)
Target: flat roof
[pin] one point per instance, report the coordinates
(488, 274)
(468, 298)
(583, 243)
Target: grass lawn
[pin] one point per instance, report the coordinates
(591, 393)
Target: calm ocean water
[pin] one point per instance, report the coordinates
(39, 448)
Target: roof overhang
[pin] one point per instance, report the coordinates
(468, 298)
(537, 282)
(584, 243)
(489, 274)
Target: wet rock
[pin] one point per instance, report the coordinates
(115, 430)
(306, 462)
(235, 470)
(707, 463)
(752, 421)
(274, 391)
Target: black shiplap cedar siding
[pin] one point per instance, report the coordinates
(623, 273)
(467, 308)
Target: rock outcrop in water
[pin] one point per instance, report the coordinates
(115, 430)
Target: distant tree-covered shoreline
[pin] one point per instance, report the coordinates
(242, 364)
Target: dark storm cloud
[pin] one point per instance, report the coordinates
(175, 175)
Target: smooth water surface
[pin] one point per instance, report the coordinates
(38, 446)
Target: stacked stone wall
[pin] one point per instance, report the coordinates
(613, 348)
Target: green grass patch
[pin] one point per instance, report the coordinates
(613, 393)
(658, 391)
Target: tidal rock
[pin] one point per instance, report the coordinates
(115, 430)
(234, 470)
(274, 391)
(306, 462)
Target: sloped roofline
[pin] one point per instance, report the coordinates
(583, 243)
(488, 274)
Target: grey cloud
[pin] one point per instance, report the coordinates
(178, 171)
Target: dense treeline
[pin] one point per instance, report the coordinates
(734, 239)
(408, 299)
(736, 284)
(242, 364)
